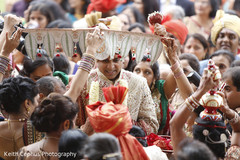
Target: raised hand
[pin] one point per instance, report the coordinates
(94, 40)
(10, 21)
(11, 42)
(159, 30)
(171, 49)
(207, 81)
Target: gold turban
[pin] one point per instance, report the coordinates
(223, 20)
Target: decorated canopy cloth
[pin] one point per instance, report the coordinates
(115, 119)
(177, 28)
(139, 100)
(120, 42)
(223, 20)
(103, 5)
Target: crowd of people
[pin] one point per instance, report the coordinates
(95, 105)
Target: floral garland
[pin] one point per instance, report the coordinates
(94, 91)
(124, 83)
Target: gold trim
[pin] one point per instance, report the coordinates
(117, 124)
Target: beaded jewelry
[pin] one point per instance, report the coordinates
(87, 62)
(4, 61)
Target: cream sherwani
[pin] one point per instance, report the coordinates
(139, 100)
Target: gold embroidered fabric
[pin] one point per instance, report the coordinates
(156, 99)
(140, 102)
(49, 39)
(233, 153)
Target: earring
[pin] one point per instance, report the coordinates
(153, 86)
(28, 110)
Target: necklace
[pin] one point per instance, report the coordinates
(15, 120)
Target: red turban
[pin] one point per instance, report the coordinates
(103, 5)
(115, 119)
(177, 28)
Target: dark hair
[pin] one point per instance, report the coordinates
(43, 9)
(191, 149)
(61, 63)
(139, 133)
(235, 63)
(30, 66)
(215, 6)
(59, 23)
(139, 18)
(154, 67)
(214, 134)
(55, 9)
(14, 91)
(236, 5)
(192, 61)
(202, 40)
(101, 144)
(79, 50)
(52, 111)
(130, 63)
(83, 9)
(73, 141)
(65, 5)
(227, 54)
(149, 7)
(47, 84)
(233, 72)
(137, 25)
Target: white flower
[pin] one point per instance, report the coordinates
(94, 92)
(124, 83)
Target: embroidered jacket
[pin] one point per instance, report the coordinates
(139, 102)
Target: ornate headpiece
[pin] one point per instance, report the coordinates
(113, 39)
(120, 42)
(212, 101)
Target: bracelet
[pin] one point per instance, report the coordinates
(4, 61)
(178, 73)
(88, 55)
(192, 103)
(175, 66)
(189, 107)
(235, 119)
(87, 62)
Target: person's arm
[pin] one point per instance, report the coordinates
(186, 110)
(93, 41)
(8, 46)
(177, 78)
(229, 114)
(10, 21)
(234, 120)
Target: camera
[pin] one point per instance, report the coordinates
(21, 46)
(194, 78)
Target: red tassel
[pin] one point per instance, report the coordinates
(148, 59)
(57, 55)
(133, 58)
(39, 55)
(119, 56)
(74, 55)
